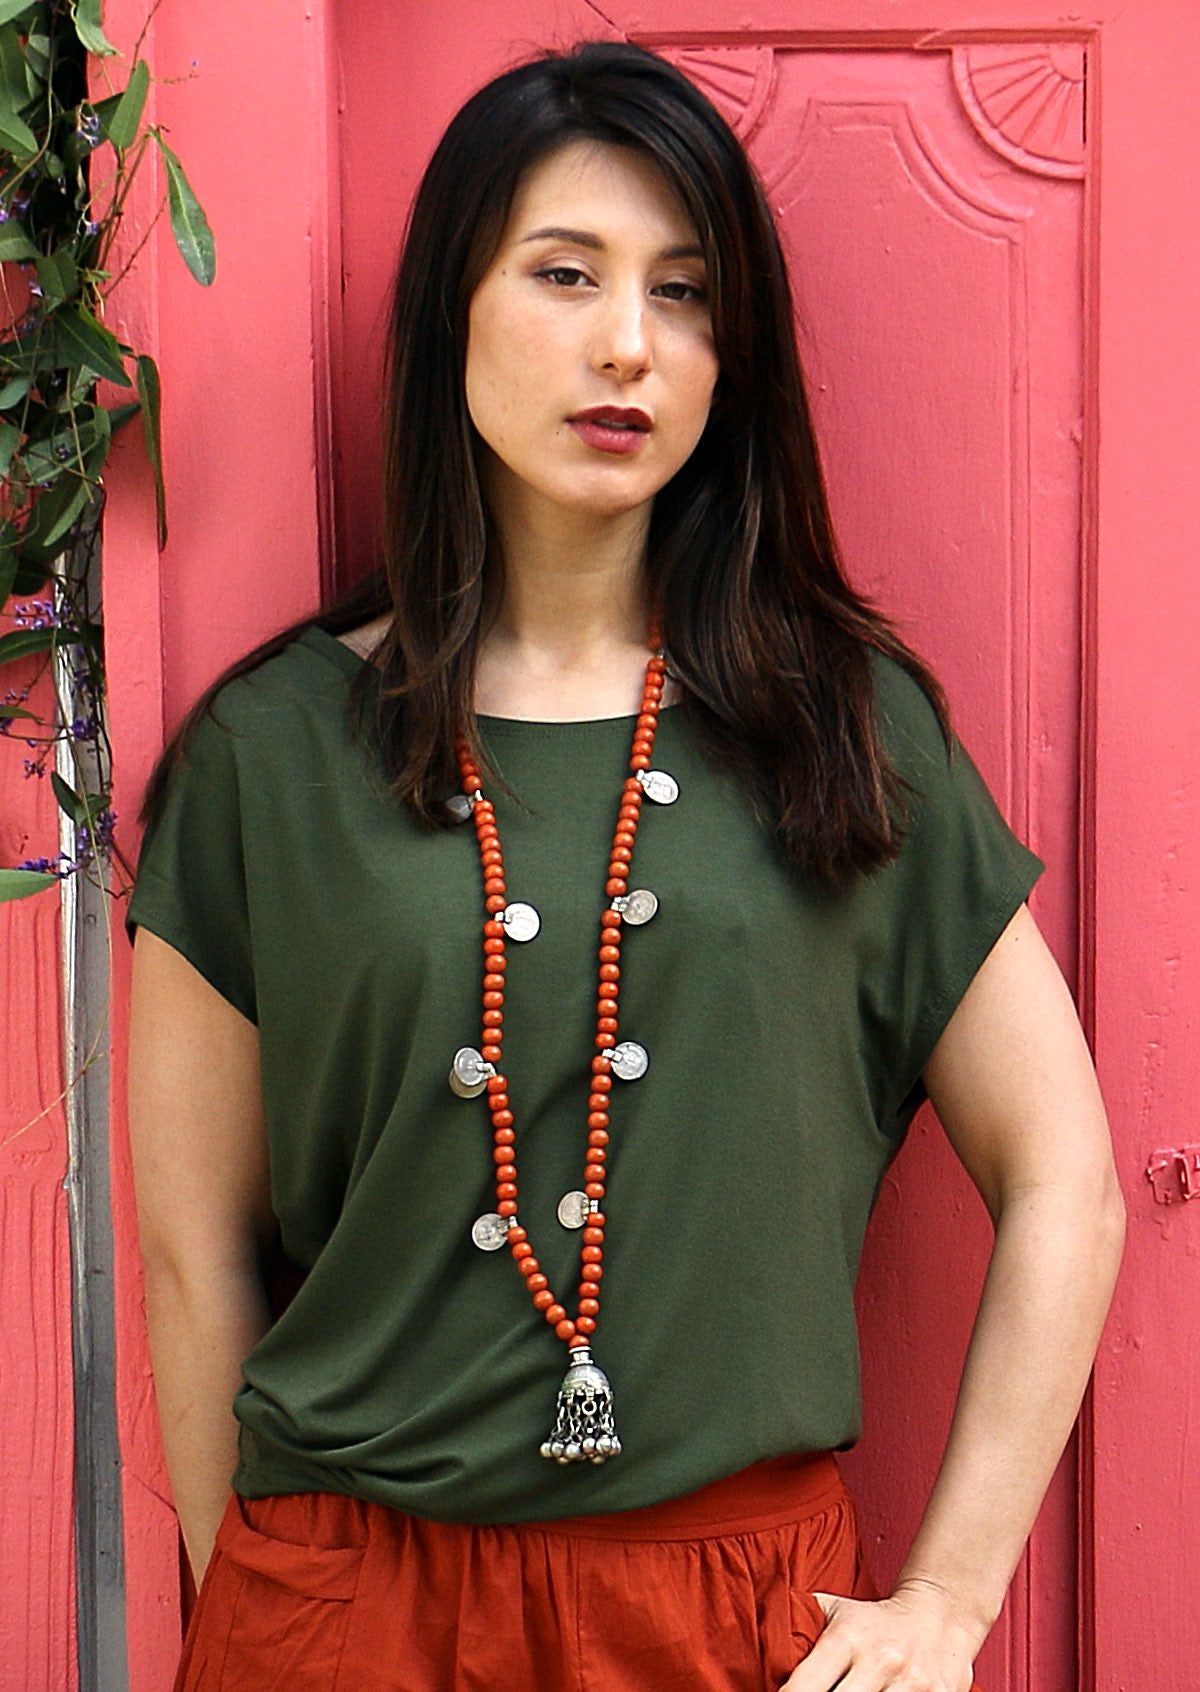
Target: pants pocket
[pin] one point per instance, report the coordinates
(273, 1614)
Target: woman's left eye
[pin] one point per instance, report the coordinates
(683, 293)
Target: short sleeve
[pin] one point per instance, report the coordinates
(961, 876)
(191, 879)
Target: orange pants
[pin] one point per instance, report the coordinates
(315, 1592)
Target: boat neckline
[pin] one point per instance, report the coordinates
(322, 641)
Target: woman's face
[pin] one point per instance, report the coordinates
(590, 361)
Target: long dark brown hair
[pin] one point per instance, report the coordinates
(770, 641)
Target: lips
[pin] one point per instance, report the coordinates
(615, 417)
(611, 428)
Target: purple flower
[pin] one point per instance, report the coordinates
(42, 866)
(32, 766)
(83, 728)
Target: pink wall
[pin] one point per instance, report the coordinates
(305, 168)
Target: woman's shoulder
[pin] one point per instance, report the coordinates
(908, 718)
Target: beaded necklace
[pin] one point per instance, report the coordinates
(584, 1430)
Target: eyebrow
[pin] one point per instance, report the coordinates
(584, 238)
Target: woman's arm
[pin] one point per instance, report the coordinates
(204, 1219)
(1014, 1086)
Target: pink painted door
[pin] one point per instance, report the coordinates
(941, 191)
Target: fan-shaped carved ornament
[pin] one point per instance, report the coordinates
(738, 80)
(1026, 100)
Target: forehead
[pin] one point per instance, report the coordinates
(600, 187)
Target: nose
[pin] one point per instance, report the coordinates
(622, 340)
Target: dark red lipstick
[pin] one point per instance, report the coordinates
(611, 428)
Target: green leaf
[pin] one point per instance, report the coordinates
(193, 236)
(68, 799)
(119, 415)
(20, 884)
(59, 276)
(13, 390)
(86, 14)
(122, 127)
(8, 572)
(10, 9)
(14, 243)
(37, 55)
(89, 343)
(150, 393)
(10, 440)
(12, 711)
(15, 134)
(22, 642)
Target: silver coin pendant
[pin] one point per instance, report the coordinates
(489, 1231)
(574, 1209)
(640, 906)
(468, 1073)
(459, 807)
(629, 1060)
(521, 922)
(659, 786)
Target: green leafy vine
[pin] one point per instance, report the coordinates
(67, 164)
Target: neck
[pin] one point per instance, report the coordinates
(569, 635)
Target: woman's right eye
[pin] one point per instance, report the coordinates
(563, 275)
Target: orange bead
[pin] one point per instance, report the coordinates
(640, 761)
(594, 1172)
(493, 983)
(497, 1083)
(615, 886)
(601, 1083)
(504, 1136)
(491, 1052)
(491, 855)
(535, 1283)
(601, 1066)
(610, 972)
(493, 930)
(597, 1119)
(607, 1024)
(502, 1157)
(593, 1189)
(493, 947)
(593, 1236)
(506, 1190)
(592, 1272)
(497, 1101)
(522, 1250)
(543, 1300)
(586, 1324)
(502, 1120)
(554, 1314)
(599, 1219)
(607, 1006)
(632, 786)
(493, 1001)
(609, 954)
(610, 935)
(565, 1329)
(494, 885)
(493, 1018)
(589, 1306)
(577, 1343)
(647, 720)
(506, 1207)
(598, 1136)
(529, 1267)
(517, 1235)
(592, 1254)
(495, 902)
(625, 837)
(597, 1101)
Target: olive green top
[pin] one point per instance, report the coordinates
(786, 1028)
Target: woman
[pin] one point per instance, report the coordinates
(733, 912)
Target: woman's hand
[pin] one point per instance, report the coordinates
(913, 1641)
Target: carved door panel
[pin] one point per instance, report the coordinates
(931, 203)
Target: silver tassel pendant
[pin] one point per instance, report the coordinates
(583, 1430)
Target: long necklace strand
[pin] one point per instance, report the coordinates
(584, 1429)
